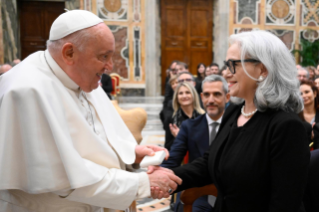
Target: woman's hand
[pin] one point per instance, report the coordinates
(174, 129)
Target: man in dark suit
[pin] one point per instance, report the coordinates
(195, 135)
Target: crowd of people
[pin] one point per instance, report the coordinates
(245, 128)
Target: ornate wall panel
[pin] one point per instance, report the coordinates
(290, 20)
(126, 20)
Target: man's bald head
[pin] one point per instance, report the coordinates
(4, 68)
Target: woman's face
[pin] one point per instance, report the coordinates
(307, 94)
(174, 84)
(239, 84)
(311, 74)
(184, 96)
(201, 69)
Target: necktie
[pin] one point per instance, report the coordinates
(213, 132)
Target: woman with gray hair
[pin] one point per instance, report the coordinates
(259, 158)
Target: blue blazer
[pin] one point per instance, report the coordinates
(193, 136)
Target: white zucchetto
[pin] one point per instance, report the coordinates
(72, 21)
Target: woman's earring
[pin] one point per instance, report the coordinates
(260, 78)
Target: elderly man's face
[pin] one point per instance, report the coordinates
(96, 59)
(302, 74)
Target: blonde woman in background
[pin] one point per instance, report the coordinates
(186, 106)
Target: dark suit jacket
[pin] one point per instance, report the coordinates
(311, 200)
(264, 169)
(106, 82)
(193, 136)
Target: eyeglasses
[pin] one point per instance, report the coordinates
(232, 63)
(183, 80)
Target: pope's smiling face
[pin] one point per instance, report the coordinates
(95, 59)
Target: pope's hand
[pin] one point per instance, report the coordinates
(163, 182)
(142, 151)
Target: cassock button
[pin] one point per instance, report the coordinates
(90, 123)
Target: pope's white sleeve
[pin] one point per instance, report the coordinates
(117, 190)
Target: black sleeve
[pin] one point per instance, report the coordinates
(195, 174)
(289, 160)
(316, 136)
(169, 92)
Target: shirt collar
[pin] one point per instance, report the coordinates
(59, 73)
(210, 121)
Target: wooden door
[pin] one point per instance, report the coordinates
(36, 18)
(186, 33)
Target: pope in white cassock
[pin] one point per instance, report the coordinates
(63, 146)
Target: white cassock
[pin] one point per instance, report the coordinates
(62, 149)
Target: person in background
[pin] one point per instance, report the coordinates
(214, 67)
(15, 62)
(186, 106)
(200, 76)
(317, 71)
(223, 71)
(316, 81)
(181, 67)
(168, 95)
(5, 68)
(303, 74)
(311, 70)
(259, 158)
(310, 96)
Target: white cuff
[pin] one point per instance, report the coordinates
(144, 189)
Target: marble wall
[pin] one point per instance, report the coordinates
(290, 20)
(10, 33)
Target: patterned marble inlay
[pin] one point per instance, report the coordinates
(247, 11)
(10, 30)
(287, 37)
(137, 54)
(121, 55)
(137, 10)
(280, 12)
(112, 10)
(73, 4)
(310, 12)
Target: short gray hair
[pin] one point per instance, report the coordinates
(78, 38)
(304, 69)
(280, 89)
(186, 72)
(216, 78)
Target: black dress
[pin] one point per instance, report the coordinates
(261, 166)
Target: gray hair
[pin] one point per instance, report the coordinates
(78, 38)
(216, 78)
(280, 89)
(186, 72)
(304, 69)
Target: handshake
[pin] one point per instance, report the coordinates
(162, 181)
